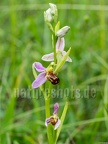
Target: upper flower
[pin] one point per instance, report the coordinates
(59, 48)
(54, 119)
(46, 74)
(51, 13)
(48, 16)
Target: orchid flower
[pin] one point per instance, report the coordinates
(54, 119)
(59, 48)
(46, 74)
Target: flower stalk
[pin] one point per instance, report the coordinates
(54, 47)
(49, 74)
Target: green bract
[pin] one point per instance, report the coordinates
(63, 60)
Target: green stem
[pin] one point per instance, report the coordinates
(47, 106)
(54, 47)
(47, 100)
(47, 110)
(103, 34)
(48, 97)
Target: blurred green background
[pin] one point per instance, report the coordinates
(24, 38)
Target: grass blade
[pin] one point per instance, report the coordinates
(62, 120)
(106, 101)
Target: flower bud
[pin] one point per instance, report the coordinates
(51, 13)
(53, 8)
(62, 31)
(48, 16)
(54, 11)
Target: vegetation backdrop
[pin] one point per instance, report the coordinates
(24, 38)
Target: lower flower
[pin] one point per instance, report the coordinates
(54, 119)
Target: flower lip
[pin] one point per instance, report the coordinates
(53, 119)
(52, 78)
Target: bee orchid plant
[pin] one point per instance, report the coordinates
(57, 59)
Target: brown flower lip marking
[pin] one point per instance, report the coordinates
(53, 120)
(52, 77)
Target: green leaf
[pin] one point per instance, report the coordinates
(15, 142)
(106, 101)
(101, 60)
(34, 72)
(59, 57)
(5, 138)
(9, 115)
(61, 63)
(62, 120)
(8, 138)
(50, 130)
(57, 27)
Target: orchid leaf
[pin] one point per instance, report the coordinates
(34, 72)
(57, 27)
(59, 56)
(61, 63)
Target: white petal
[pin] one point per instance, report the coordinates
(47, 121)
(57, 124)
(60, 44)
(46, 124)
(48, 57)
(68, 58)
